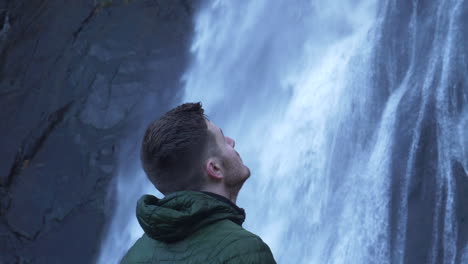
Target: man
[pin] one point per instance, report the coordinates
(191, 162)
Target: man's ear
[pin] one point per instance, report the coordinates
(213, 169)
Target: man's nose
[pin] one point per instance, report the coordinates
(231, 141)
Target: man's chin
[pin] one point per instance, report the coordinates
(247, 174)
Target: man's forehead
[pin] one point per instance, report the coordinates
(212, 127)
(210, 124)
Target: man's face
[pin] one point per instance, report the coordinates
(234, 170)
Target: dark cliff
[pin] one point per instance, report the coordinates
(77, 79)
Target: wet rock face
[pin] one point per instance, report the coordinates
(77, 79)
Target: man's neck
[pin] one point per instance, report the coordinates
(223, 191)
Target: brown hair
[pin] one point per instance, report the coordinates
(174, 148)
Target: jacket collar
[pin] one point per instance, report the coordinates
(221, 198)
(180, 214)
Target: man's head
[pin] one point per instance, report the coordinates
(184, 151)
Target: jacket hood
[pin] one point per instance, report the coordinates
(182, 213)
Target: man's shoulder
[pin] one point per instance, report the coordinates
(141, 252)
(223, 229)
(220, 242)
(231, 243)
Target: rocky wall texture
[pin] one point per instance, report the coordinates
(77, 79)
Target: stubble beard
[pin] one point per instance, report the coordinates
(237, 176)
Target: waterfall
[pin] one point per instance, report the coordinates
(352, 116)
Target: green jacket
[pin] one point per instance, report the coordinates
(194, 227)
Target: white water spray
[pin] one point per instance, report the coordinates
(284, 80)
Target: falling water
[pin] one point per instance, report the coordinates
(353, 117)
